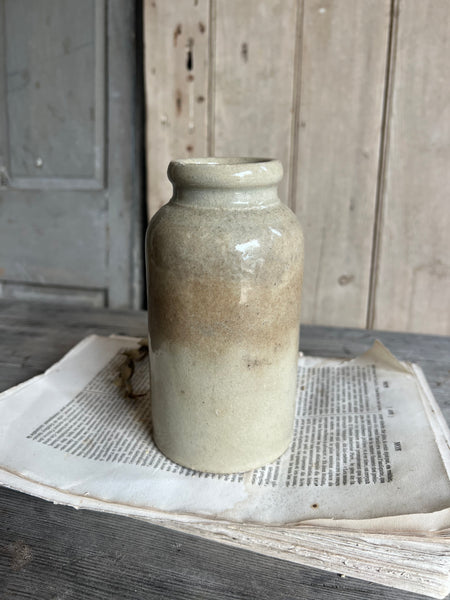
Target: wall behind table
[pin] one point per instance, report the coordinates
(352, 96)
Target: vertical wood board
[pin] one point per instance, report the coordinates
(254, 74)
(177, 69)
(341, 87)
(413, 278)
(125, 258)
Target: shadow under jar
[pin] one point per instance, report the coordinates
(224, 274)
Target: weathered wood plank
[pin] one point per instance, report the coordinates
(176, 66)
(254, 73)
(413, 278)
(52, 551)
(125, 263)
(31, 337)
(341, 85)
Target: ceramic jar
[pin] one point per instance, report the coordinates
(224, 273)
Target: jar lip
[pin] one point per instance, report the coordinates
(229, 172)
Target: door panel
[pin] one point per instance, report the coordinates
(54, 237)
(54, 58)
(61, 218)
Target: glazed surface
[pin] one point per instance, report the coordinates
(224, 311)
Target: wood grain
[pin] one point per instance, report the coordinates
(177, 71)
(49, 551)
(341, 85)
(254, 75)
(413, 277)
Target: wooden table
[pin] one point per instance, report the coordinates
(55, 552)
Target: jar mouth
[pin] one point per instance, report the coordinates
(228, 172)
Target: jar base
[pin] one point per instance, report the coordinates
(223, 469)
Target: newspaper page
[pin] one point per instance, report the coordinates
(369, 444)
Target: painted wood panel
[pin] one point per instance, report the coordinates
(45, 52)
(413, 276)
(341, 87)
(52, 209)
(70, 194)
(177, 48)
(254, 69)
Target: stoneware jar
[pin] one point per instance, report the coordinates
(224, 272)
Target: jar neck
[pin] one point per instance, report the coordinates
(226, 198)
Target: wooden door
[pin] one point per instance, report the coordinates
(71, 214)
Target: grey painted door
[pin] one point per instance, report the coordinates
(71, 206)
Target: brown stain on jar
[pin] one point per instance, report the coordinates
(199, 291)
(209, 312)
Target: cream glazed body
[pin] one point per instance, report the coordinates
(224, 273)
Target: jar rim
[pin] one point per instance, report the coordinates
(229, 172)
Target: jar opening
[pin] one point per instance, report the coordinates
(225, 172)
(226, 160)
